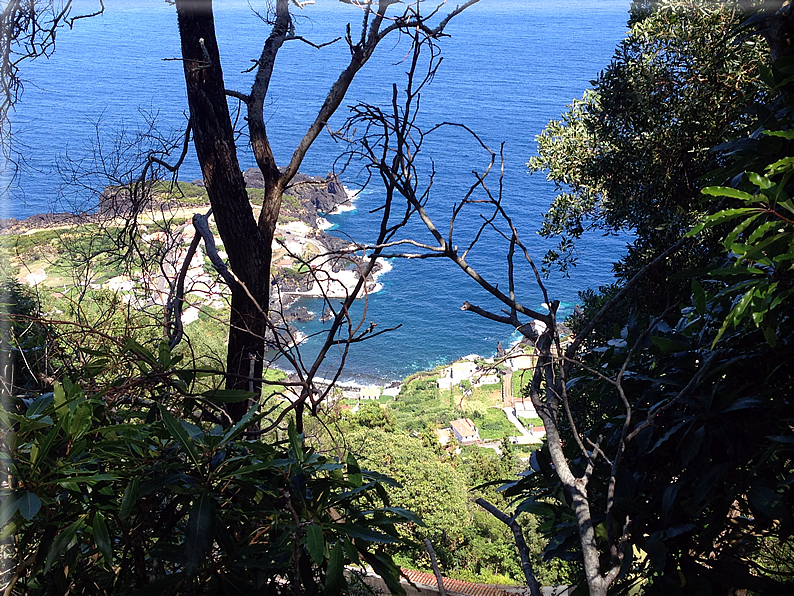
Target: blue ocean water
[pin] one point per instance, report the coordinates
(509, 66)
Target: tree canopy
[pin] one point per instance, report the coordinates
(632, 154)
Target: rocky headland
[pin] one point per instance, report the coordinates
(307, 261)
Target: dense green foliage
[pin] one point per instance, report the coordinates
(121, 488)
(631, 154)
(690, 396)
(440, 487)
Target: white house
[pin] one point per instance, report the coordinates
(465, 431)
(525, 409)
(370, 392)
(462, 370)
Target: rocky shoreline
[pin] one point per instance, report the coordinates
(307, 261)
(317, 195)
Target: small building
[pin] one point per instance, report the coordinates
(521, 362)
(445, 383)
(462, 370)
(369, 392)
(392, 391)
(487, 380)
(444, 435)
(465, 431)
(525, 409)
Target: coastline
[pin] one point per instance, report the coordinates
(307, 261)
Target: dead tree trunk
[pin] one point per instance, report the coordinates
(248, 249)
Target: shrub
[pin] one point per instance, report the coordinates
(120, 488)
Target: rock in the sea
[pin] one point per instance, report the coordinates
(301, 314)
(290, 281)
(319, 194)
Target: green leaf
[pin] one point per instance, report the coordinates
(27, 425)
(786, 134)
(46, 445)
(363, 533)
(698, 297)
(129, 498)
(761, 182)
(228, 396)
(80, 421)
(766, 501)
(354, 475)
(164, 355)
(28, 505)
(295, 442)
(727, 191)
(669, 498)
(61, 543)
(720, 217)
(8, 508)
(385, 567)
(350, 550)
(538, 508)
(725, 324)
(199, 531)
(59, 398)
(745, 301)
(89, 479)
(315, 543)
(669, 346)
(102, 538)
(780, 165)
(334, 577)
(39, 405)
(181, 436)
(787, 205)
(409, 515)
(739, 229)
(133, 346)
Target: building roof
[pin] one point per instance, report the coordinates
(464, 427)
(453, 585)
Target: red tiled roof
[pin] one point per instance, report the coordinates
(453, 585)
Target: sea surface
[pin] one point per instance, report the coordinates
(509, 66)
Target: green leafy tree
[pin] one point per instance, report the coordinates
(630, 155)
(433, 488)
(373, 415)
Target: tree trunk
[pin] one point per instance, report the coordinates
(248, 248)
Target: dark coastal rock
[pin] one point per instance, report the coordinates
(300, 314)
(39, 221)
(286, 335)
(314, 192)
(333, 243)
(289, 281)
(253, 178)
(317, 193)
